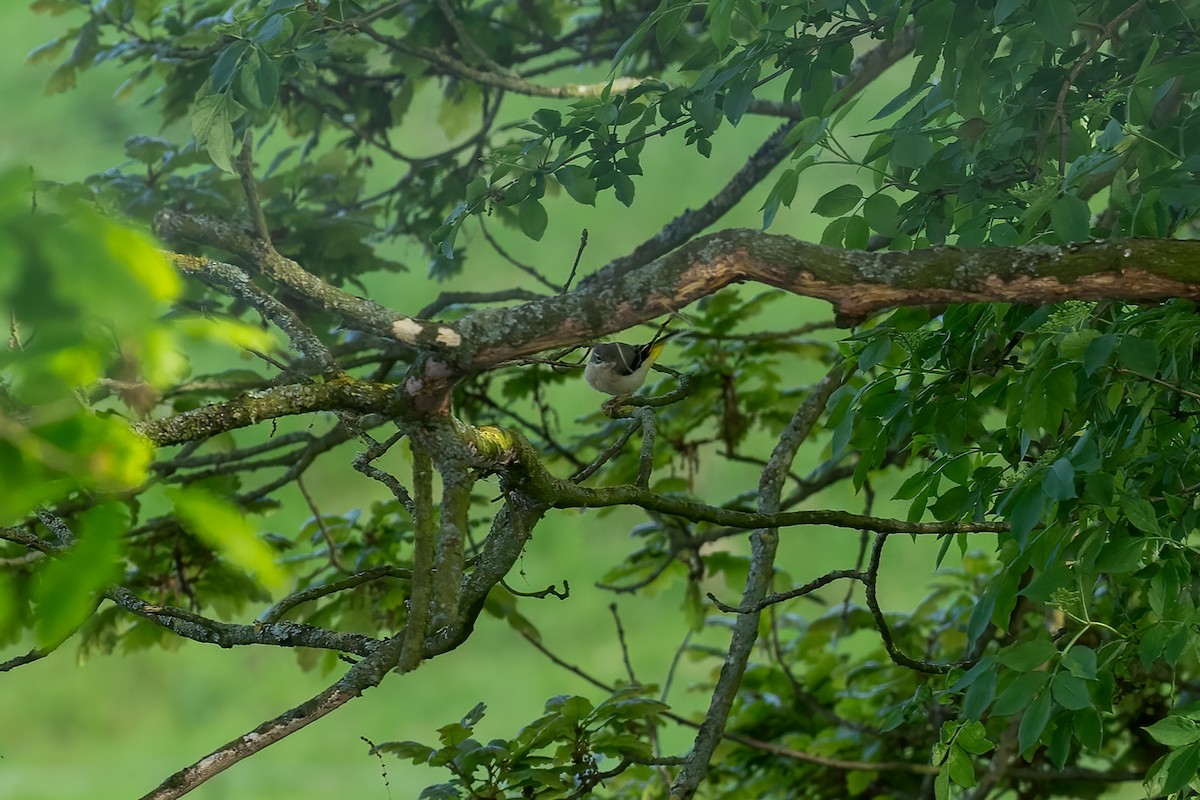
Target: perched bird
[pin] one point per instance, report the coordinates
(620, 368)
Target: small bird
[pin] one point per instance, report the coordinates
(620, 369)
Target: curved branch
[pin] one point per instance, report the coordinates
(870, 579)
(344, 394)
(866, 68)
(275, 612)
(279, 634)
(237, 283)
(780, 597)
(858, 283)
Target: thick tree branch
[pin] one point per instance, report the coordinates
(280, 401)
(856, 282)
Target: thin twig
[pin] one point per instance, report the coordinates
(335, 559)
(245, 168)
(612, 607)
(583, 240)
(869, 581)
(276, 612)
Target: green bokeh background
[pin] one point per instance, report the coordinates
(114, 726)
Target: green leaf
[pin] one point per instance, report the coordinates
(787, 17)
(1033, 722)
(213, 128)
(1055, 21)
(271, 27)
(1026, 512)
(1018, 694)
(910, 149)
(1089, 729)
(549, 119)
(719, 16)
(839, 201)
(1027, 656)
(1080, 660)
(980, 694)
(66, 592)
(412, 751)
(1098, 352)
(1180, 768)
(577, 183)
(1071, 219)
(1059, 481)
(1122, 554)
(962, 771)
(1175, 731)
(1070, 692)
(533, 219)
(738, 96)
(147, 149)
(623, 188)
(224, 528)
(1139, 355)
(972, 738)
(882, 213)
(1141, 513)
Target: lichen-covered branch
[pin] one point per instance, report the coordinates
(856, 282)
(281, 401)
(237, 283)
(279, 634)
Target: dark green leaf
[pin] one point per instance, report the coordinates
(839, 201)
(1175, 731)
(1059, 481)
(226, 63)
(1027, 656)
(1089, 729)
(882, 213)
(413, 751)
(271, 27)
(1071, 219)
(979, 695)
(1018, 694)
(1139, 355)
(549, 119)
(1033, 722)
(1070, 692)
(1123, 554)
(1026, 511)
(911, 149)
(1098, 353)
(577, 183)
(533, 219)
(1141, 513)
(1080, 660)
(623, 188)
(1055, 21)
